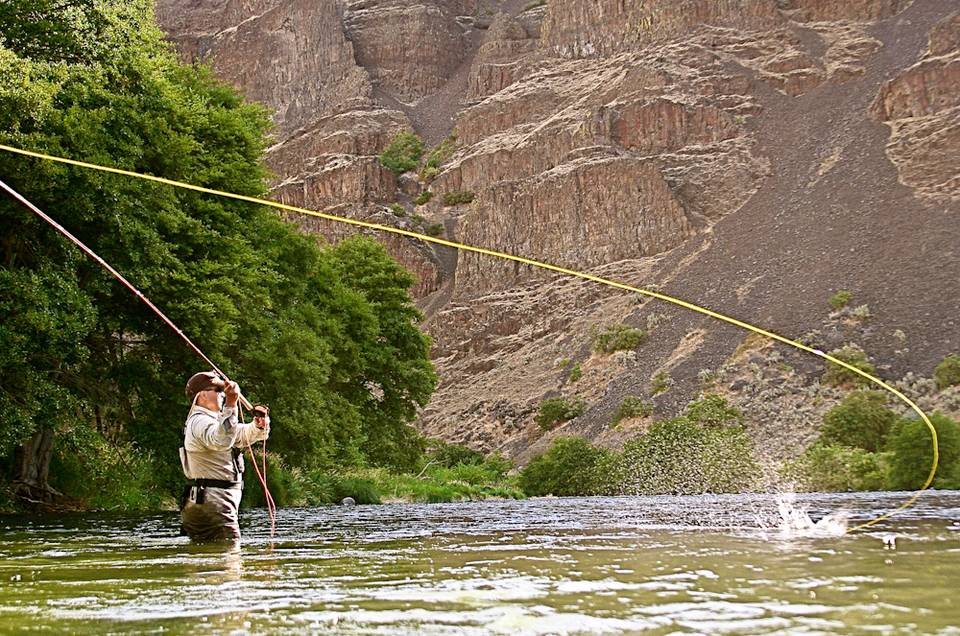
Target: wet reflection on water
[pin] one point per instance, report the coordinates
(552, 566)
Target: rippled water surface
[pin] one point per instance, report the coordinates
(659, 565)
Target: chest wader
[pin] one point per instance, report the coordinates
(195, 490)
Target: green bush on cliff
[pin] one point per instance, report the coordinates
(556, 410)
(947, 372)
(403, 153)
(438, 155)
(423, 198)
(617, 338)
(632, 406)
(861, 420)
(713, 410)
(853, 355)
(457, 197)
(840, 300)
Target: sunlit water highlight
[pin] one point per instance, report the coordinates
(658, 565)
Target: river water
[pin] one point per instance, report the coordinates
(657, 565)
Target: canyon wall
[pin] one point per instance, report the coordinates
(750, 155)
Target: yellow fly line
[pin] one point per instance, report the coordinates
(541, 265)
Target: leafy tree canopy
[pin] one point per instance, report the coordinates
(326, 335)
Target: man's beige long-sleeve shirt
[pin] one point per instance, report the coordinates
(209, 440)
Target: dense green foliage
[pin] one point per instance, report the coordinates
(571, 467)
(947, 372)
(431, 167)
(853, 355)
(861, 420)
(403, 153)
(558, 409)
(423, 198)
(680, 456)
(327, 336)
(632, 406)
(456, 197)
(912, 447)
(617, 338)
(676, 456)
(448, 473)
(826, 468)
(840, 300)
(864, 446)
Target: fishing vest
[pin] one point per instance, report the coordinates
(214, 465)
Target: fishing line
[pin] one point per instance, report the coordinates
(262, 478)
(540, 265)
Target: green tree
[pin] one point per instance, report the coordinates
(396, 376)
(327, 336)
(861, 420)
(571, 467)
(947, 372)
(831, 468)
(403, 153)
(912, 447)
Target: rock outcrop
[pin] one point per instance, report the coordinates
(719, 149)
(922, 108)
(292, 56)
(410, 50)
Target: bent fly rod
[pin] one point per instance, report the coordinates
(136, 292)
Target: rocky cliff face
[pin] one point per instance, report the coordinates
(753, 156)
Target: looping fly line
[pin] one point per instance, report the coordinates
(540, 265)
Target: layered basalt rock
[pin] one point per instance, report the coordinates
(295, 57)
(587, 28)
(922, 108)
(637, 140)
(832, 10)
(590, 211)
(410, 50)
(292, 56)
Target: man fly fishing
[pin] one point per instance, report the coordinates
(212, 457)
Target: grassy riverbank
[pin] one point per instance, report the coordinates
(442, 478)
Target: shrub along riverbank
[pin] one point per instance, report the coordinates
(706, 450)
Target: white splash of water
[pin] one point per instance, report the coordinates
(796, 522)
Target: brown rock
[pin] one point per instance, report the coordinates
(830, 10)
(585, 28)
(590, 211)
(922, 108)
(290, 55)
(410, 50)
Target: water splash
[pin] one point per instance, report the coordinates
(795, 521)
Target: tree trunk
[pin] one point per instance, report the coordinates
(32, 467)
